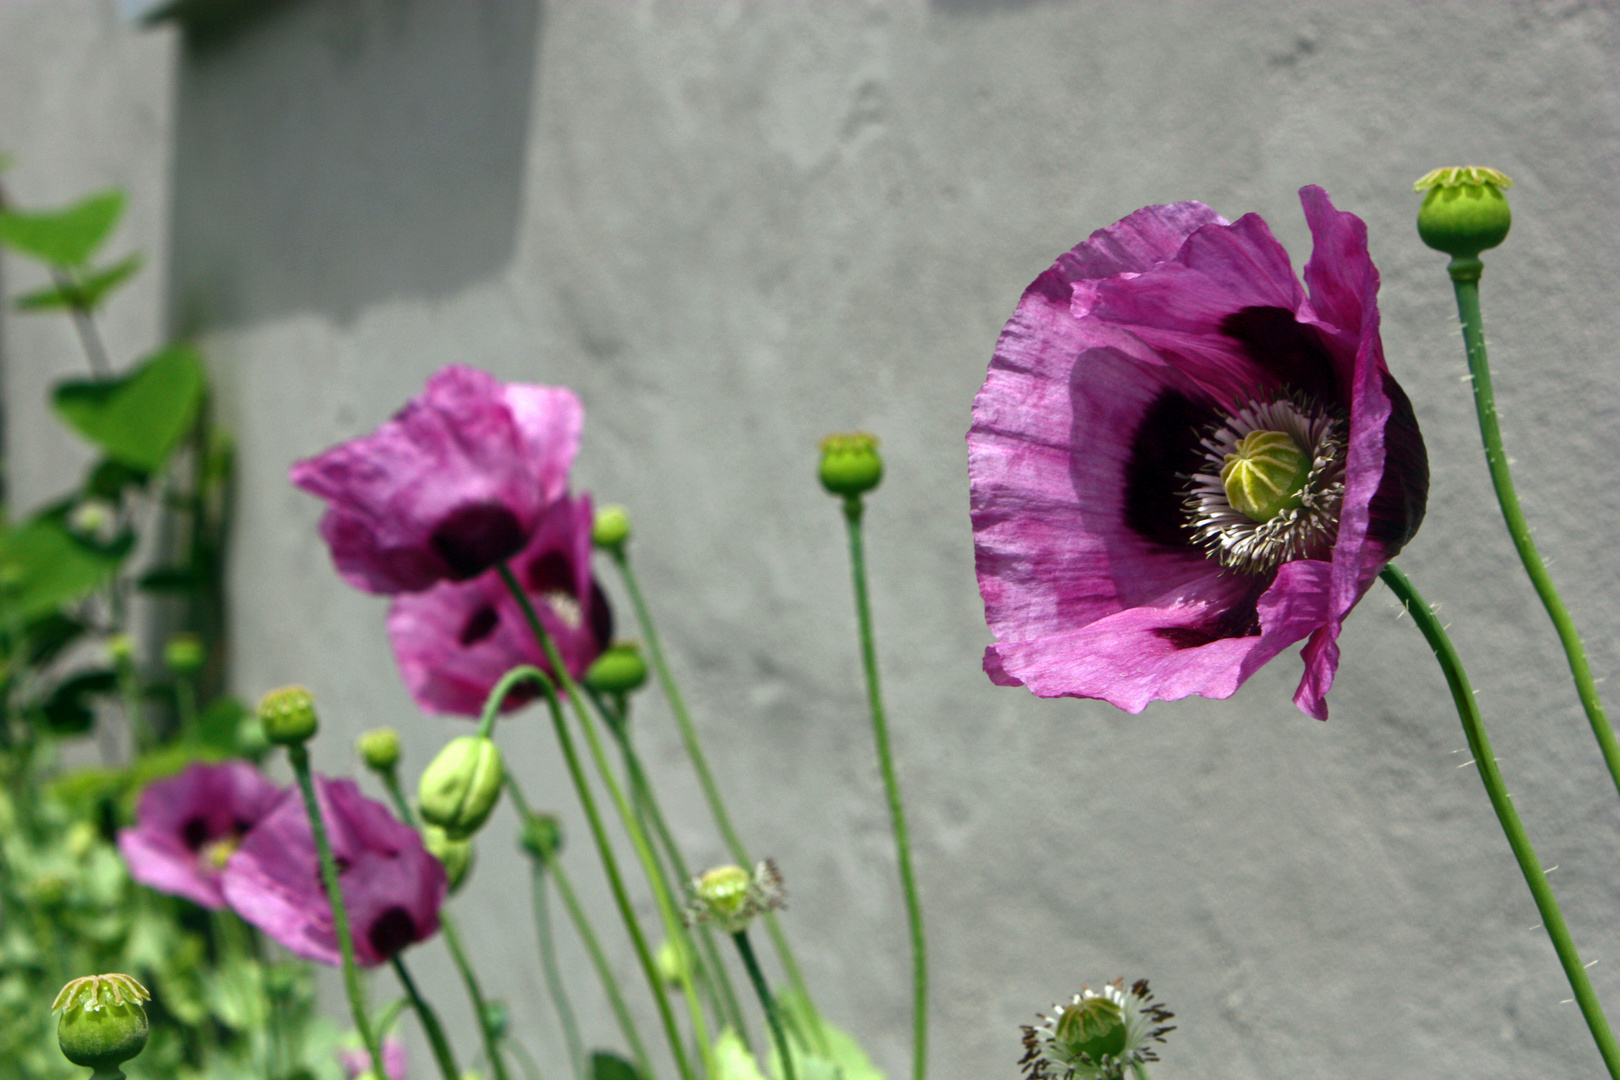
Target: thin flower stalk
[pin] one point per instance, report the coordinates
(853, 508)
(708, 970)
(711, 790)
(299, 757)
(1465, 279)
(544, 865)
(767, 1002)
(430, 1023)
(604, 847)
(1479, 745)
(667, 908)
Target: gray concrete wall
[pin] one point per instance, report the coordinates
(734, 227)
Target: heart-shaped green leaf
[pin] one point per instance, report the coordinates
(43, 566)
(606, 1066)
(140, 418)
(63, 237)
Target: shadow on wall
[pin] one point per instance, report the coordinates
(333, 153)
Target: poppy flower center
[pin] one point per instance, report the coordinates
(1269, 487)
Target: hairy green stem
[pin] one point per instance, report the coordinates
(475, 994)
(430, 1023)
(1465, 279)
(711, 790)
(767, 1002)
(1479, 744)
(546, 863)
(674, 927)
(299, 757)
(853, 510)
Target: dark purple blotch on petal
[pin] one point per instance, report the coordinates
(475, 538)
(1289, 351)
(391, 931)
(1397, 507)
(1164, 452)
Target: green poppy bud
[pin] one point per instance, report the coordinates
(456, 856)
(731, 897)
(850, 464)
(183, 654)
(674, 963)
(460, 788)
(542, 836)
(288, 716)
(379, 749)
(611, 527)
(121, 649)
(102, 1023)
(619, 670)
(1464, 211)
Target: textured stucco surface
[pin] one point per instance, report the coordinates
(734, 227)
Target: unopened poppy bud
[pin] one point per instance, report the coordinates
(619, 670)
(456, 856)
(183, 654)
(460, 788)
(1464, 211)
(379, 749)
(611, 527)
(288, 716)
(850, 464)
(673, 962)
(120, 649)
(542, 836)
(102, 1023)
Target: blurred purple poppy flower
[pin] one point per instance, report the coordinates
(455, 641)
(456, 482)
(357, 1063)
(392, 888)
(1139, 379)
(188, 825)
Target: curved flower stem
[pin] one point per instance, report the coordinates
(299, 757)
(1479, 745)
(766, 1002)
(452, 940)
(674, 927)
(593, 946)
(711, 790)
(891, 786)
(430, 1023)
(604, 848)
(709, 970)
(1465, 279)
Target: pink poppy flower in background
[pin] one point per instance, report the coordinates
(455, 483)
(356, 1063)
(392, 888)
(455, 641)
(188, 825)
(1112, 557)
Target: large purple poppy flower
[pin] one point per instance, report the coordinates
(457, 481)
(188, 825)
(392, 888)
(455, 641)
(1139, 378)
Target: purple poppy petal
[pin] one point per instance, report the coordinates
(454, 483)
(392, 888)
(396, 1063)
(454, 642)
(187, 824)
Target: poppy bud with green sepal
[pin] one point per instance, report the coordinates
(850, 464)
(103, 1024)
(460, 788)
(1464, 211)
(456, 856)
(288, 716)
(542, 836)
(379, 749)
(619, 670)
(183, 654)
(611, 527)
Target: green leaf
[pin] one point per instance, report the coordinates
(68, 710)
(83, 294)
(171, 580)
(63, 237)
(219, 726)
(606, 1066)
(44, 566)
(844, 1059)
(140, 418)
